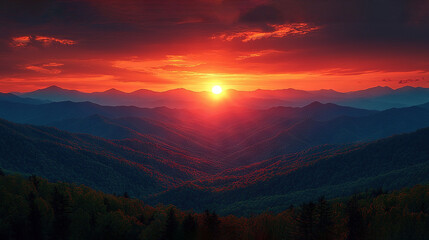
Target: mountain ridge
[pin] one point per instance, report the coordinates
(376, 98)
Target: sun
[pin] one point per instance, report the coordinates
(216, 89)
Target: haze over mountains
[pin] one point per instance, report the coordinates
(377, 98)
(225, 156)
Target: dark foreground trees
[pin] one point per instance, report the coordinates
(315, 221)
(36, 209)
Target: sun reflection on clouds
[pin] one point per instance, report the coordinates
(25, 41)
(278, 31)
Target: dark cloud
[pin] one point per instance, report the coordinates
(263, 14)
(408, 81)
(339, 11)
(33, 13)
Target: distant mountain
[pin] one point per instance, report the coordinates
(206, 132)
(384, 97)
(113, 97)
(306, 133)
(56, 94)
(228, 136)
(56, 111)
(9, 97)
(425, 106)
(377, 98)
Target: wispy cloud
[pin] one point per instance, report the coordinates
(411, 80)
(257, 54)
(279, 31)
(47, 68)
(51, 40)
(20, 41)
(24, 41)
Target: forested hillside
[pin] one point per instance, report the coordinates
(156, 172)
(33, 208)
(391, 163)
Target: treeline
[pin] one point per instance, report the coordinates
(33, 208)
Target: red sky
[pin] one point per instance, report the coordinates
(269, 44)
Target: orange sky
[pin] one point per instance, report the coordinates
(195, 44)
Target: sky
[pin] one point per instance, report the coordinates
(95, 45)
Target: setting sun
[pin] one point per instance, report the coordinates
(216, 89)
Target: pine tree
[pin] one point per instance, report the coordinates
(189, 226)
(107, 204)
(211, 224)
(142, 219)
(306, 222)
(355, 224)
(325, 223)
(35, 181)
(170, 225)
(34, 218)
(60, 205)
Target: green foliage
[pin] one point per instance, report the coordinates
(33, 208)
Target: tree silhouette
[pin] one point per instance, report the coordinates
(211, 224)
(189, 226)
(27, 214)
(355, 224)
(35, 181)
(34, 218)
(325, 223)
(170, 225)
(126, 195)
(60, 205)
(306, 222)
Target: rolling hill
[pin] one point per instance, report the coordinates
(139, 167)
(149, 170)
(390, 163)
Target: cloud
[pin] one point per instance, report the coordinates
(190, 42)
(278, 31)
(47, 68)
(256, 54)
(21, 41)
(51, 40)
(24, 41)
(407, 81)
(262, 14)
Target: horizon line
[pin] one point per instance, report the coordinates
(205, 91)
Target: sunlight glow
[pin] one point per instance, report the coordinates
(216, 89)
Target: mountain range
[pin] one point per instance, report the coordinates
(377, 98)
(228, 158)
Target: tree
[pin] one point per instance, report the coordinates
(34, 218)
(306, 222)
(35, 181)
(211, 224)
(1, 172)
(170, 225)
(355, 224)
(423, 208)
(126, 195)
(60, 205)
(325, 224)
(189, 226)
